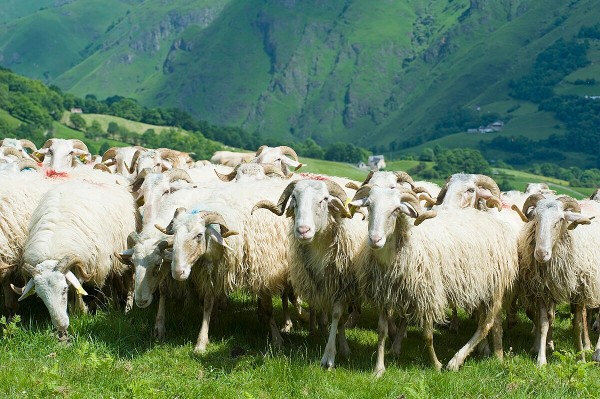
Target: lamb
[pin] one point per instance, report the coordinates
(62, 249)
(420, 270)
(325, 242)
(559, 263)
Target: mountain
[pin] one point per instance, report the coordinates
(378, 73)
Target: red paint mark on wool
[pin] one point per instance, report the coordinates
(312, 176)
(51, 173)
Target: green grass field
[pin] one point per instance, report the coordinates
(113, 355)
(104, 120)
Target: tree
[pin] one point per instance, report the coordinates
(113, 129)
(94, 131)
(103, 148)
(77, 121)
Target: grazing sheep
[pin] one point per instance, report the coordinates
(61, 248)
(421, 271)
(325, 243)
(559, 263)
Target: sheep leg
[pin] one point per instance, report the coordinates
(550, 339)
(392, 328)
(578, 331)
(209, 300)
(587, 344)
(342, 341)
(486, 321)
(497, 336)
(80, 306)
(382, 329)
(129, 282)
(543, 326)
(400, 335)
(159, 323)
(10, 299)
(428, 336)
(354, 312)
(596, 326)
(287, 324)
(267, 307)
(322, 321)
(328, 360)
(312, 323)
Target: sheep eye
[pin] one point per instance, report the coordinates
(199, 237)
(471, 190)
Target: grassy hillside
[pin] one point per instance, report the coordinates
(340, 70)
(104, 120)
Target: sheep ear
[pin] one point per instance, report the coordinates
(577, 219)
(359, 202)
(216, 236)
(75, 283)
(125, 256)
(27, 291)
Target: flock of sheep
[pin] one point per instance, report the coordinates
(139, 220)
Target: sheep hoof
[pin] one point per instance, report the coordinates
(159, 332)
(327, 362)
(541, 362)
(287, 327)
(378, 373)
(596, 356)
(63, 337)
(200, 348)
(453, 365)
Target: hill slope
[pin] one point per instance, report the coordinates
(371, 73)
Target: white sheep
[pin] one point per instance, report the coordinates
(325, 242)
(277, 156)
(18, 144)
(61, 155)
(230, 158)
(460, 258)
(61, 248)
(559, 263)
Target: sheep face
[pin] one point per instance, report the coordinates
(384, 179)
(52, 287)
(60, 155)
(309, 203)
(250, 172)
(551, 223)
(385, 206)
(195, 236)
(147, 258)
(150, 159)
(277, 156)
(465, 190)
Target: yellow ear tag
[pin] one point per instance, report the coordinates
(351, 208)
(81, 291)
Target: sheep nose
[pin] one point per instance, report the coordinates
(142, 303)
(376, 240)
(542, 255)
(303, 230)
(180, 274)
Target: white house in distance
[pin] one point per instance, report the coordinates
(376, 162)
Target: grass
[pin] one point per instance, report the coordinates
(104, 120)
(113, 355)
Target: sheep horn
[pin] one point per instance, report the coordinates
(177, 174)
(368, 178)
(216, 218)
(260, 150)
(102, 167)
(165, 243)
(271, 170)
(424, 216)
(169, 229)
(48, 143)
(228, 177)
(403, 177)
(289, 151)
(362, 193)
(140, 179)
(336, 190)
(429, 201)
(440, 197)
(171, 155)
(569, 204)
(494, 202)
(111, 153)
(515, 208)
(28, 144)
(80, 145)
(26, 291)
(281, 203)
(75, 283)
(28, 163)
(488, 183)
(352, 186)
(531, 201)
(411, 199)
(134, 159)
(132, 239)
(13, 151)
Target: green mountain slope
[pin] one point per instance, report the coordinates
(371, 73)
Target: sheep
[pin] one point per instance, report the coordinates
(538, 188)
(157, 160)
(277, 156)
(118, 159)
(61, 155)
(420, 270)
(230, 158)
(325, 242)
(62, 249)
(595, 195)
(559, 263)
(18, 144)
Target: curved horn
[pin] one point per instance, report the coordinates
(228, 177)
(260, 150)
(440, 197)
(134, 159)
(403, 177)
(352, 186)
(531, 201)
(271, 170)
(216, 218)
(424, 216)
(281, 203)
(362, 193)
(368, 178)
(289, 151)
(569, 204)
(102, 167)
(515, 208)
(336, 190)
(139, 180)
(28, 163)
(171, 155)
(80, 145)
(28, 290)
(178, 174)
(165, 243)
(13, 151)
(488, 183)
(48, 143)
(28, 144)
(111, 153)
(494, 202)
(411, 199)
